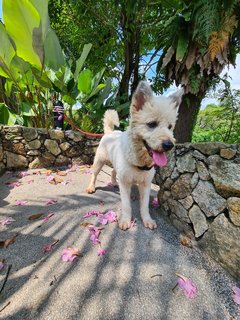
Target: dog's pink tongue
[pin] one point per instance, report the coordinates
(159, 158)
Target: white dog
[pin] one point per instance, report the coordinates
(134, 153)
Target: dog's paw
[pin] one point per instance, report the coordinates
(150, 223)
(90, 190)
(124, 224)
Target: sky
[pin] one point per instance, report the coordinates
(232, 72)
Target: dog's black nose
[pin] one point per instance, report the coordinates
(167, 145)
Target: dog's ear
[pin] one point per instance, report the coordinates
(142, 94)
(176, 97)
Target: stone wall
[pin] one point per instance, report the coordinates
(199, 188)
(22, 147)
(200, 193)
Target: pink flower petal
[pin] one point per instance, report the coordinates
(30, 181)
(14, 184)
(95, 240)
(101, 252)
(47, 248)
(7, 221)
(23, 174)
(110, 184)
(94, 234)
(188, 287)
(1, 265)
(87, 171)
(64, 183)
(155, 203)
(73, 167)
(21, 202)
(236, 295)
(111, 216)
(91, 213)
(50, 178)
(70, 254)
(51, 202)
(94, 230)
(103, 219)
(48, 216)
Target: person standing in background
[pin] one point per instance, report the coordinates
(58, 114)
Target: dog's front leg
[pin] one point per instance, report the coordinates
(144, 190)
(125, 220)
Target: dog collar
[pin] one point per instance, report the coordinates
(145, 168)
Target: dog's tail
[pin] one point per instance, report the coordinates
(110, 120)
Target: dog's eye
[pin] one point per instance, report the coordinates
(170, 127)
(152, 124)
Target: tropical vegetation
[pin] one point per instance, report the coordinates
(34, 70)
(220, 122)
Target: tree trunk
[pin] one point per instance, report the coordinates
(131, 38)
(128, 55)
(187, 116)
(136, 61)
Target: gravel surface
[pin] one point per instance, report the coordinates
(136, 279)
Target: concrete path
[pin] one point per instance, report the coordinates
(134, 280)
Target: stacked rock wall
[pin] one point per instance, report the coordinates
(22, 147)
(199, 188)
(200, 192)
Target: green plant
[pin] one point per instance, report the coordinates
(35, 68)
(219, 122)
(206, 41)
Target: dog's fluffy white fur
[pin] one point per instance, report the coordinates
(133, 152)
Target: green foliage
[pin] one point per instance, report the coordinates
(210, 16)
(6, 115)
(123, 33)
(26, 19)
(35, 69)
(205, 42)
(7, 51)
(207, 13)
(215, 123)
(85, 81)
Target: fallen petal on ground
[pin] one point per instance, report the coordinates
(91, 213)
(101, 252)
(70, 254)
(48, 216)
(236, 295)
(21, 202)
(51, 202)
(187, 285)
(6, 221)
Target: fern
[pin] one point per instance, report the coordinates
(229, 23)
(213, 16)
(218, 40)
(229, 5)
(217, 43)
(207, 19)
